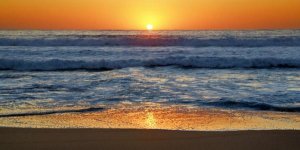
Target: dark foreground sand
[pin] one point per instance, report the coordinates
(124, 139)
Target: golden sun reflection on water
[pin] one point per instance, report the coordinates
(151, 116)
(150, 120)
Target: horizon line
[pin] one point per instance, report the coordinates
(245, 29)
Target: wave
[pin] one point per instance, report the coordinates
(92, 109)
(147, 40)
(253, 105)
(180, 61)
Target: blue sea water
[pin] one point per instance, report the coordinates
(237, 70)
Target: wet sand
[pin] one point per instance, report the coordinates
(123, 129)
(156, 117)
(127, 139)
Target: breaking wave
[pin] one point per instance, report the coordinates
(254, 105)
(180, 61)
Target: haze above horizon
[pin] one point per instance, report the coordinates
(138, 14)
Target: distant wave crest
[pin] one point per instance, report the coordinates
(144, 40)
(180, 61)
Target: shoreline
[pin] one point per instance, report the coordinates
(158, 117)
(30, 138)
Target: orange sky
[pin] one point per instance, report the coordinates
(136, 14)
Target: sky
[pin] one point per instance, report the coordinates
(162, 14)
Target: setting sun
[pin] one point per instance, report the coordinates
(149, 27)
(135, 15)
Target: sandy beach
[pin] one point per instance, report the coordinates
(127, 139)
(153, 128)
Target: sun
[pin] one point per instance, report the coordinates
(149, 27)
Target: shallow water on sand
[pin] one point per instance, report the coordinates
(234, 89)
(154, 116)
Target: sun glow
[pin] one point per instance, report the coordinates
(136, 14)
(149, 27)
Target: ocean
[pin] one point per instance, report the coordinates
(53, 72)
